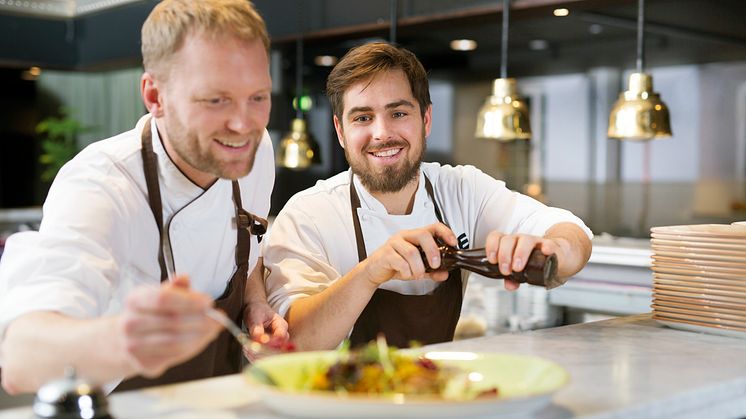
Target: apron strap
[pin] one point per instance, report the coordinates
(245, 220)
(150, 168)
(431, 194)
(355, 204)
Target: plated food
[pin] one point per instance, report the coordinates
(416, 383)
(378, 369)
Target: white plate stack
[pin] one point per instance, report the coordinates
(699, 277)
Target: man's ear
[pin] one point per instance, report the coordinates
(340, 132)
(427, 119)
(151, 95)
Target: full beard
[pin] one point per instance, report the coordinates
(391, 178)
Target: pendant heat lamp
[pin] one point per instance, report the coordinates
(298, 150)
(504, 116)
(639, 114)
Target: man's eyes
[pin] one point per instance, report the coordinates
(368, 118)
(215, 100)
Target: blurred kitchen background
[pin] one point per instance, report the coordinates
(571, 59)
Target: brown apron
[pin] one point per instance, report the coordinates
(223, 355)
(424, 319)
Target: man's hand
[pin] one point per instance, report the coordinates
(400, 257)
(265, 326)
(511, 252)
(165, 326)
(566, 240)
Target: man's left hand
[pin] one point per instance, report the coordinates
(265, 326)
(511, 252)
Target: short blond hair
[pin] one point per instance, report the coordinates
(170, 21)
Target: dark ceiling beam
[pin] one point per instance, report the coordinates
(520, 9)
(660, 29)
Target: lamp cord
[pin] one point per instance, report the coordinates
(640, 35)
(394, 11)
(299, 63)
(504, 41)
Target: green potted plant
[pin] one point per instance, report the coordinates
(59, 141)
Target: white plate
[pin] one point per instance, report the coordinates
(692, 270)
(701, 281)
(698, 244)
(700, 296)
(704, 230)
(699, 307)
(737, 261)
(738, 266)
(525, 384)
(657, 286)
(738, 241)
(740, 320)
(704, 320)
(701, 327)
(659, 248)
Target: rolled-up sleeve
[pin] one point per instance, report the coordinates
(71, 265)
(500, 209)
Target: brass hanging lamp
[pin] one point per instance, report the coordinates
(504, 115)
(298, 150)
(639, 114)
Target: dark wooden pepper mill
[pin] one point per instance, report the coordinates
(540, 269)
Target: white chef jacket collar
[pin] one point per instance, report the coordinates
(368, 201)
(172, 178)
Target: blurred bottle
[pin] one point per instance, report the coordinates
(473, 321)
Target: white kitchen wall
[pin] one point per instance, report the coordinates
(675, 159)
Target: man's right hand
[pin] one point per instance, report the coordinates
(165, 326)
(400, 256)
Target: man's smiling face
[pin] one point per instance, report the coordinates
(383, 131)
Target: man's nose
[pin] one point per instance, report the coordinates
(242, 120)
(381, 129)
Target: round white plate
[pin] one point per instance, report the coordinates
(698, 244)
(525, 385)
(694, 315)
(703, 284)
(736, 261)
(700, 297)
(701, 280)
(699, 290)
(717, 320)
(701, 327)
(659, 248)
(704, 230)
(713, 308)
(700, 239)
(739, 266)
(707, 271)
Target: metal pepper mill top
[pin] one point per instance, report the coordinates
(70, 398)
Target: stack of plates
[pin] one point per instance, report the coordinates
(699, 277)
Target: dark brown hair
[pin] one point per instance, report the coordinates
(367, 61)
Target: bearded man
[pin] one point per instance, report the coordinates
(343, 256)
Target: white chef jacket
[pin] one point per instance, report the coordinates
(312, 241)
(98, 238)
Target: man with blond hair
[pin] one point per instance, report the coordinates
(146, 232)
(344, 256)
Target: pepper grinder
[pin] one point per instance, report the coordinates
(540, 269)
(70, 398)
